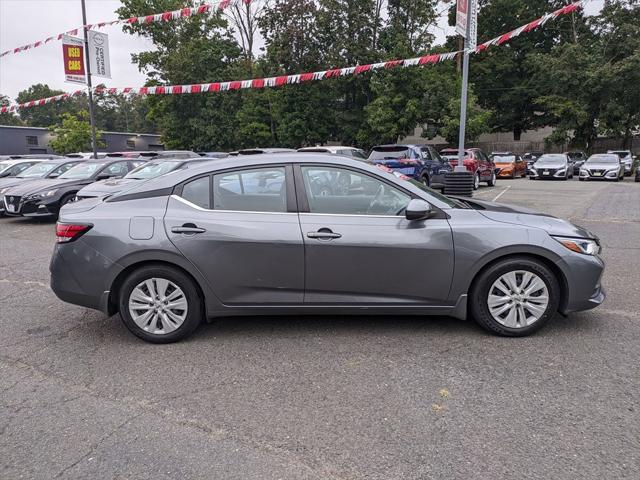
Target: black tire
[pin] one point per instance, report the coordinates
(194, 302)
(476, 181)
(485, 279)
(492, 181)
(426, 180)
(580, 179)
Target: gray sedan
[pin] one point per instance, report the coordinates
(262, 235)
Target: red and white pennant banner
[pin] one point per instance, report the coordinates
(152, 18)
(258, 83)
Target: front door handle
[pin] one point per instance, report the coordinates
(324, 234)
(188, 229)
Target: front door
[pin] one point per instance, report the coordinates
(360, 249)
(240, 229)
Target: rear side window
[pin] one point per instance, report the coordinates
(254, 190)
(198, 192)
(390, 153)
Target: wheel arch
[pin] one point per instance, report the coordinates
(547, 262)
(116, 284)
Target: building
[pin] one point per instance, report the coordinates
(30, 140)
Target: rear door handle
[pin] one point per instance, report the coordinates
(188, 229)
(324, 234)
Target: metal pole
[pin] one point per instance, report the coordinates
(463, 97)
(87, 67)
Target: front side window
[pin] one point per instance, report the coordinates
(346, 192)
(253, 190)
(82, 171)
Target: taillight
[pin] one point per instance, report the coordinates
(68, 232)
(407, 161)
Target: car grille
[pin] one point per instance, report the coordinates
(598, 172)
(12, 203)
(543, 171)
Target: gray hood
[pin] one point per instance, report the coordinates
(600, 165)
(499, 212)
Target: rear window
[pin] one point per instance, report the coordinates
(390, 153)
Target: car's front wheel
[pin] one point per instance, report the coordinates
(160, 304)
(514, 297)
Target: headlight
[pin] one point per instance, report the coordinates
(45, 194)
(580, 245)
(4, 190)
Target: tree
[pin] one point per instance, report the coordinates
(73, 134)
(52, 113)
(503, 75)
(477, 119)
(8, 118)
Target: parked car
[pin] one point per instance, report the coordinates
(177, 249)
(627, 158)
(337, 150)
(476, 161)
(602, 166)
(85, 155)
(213, 154)
(45, 169)
(552, 166)
(13, 167)
(45, 197)
(530, 158)
(420, 162)
(144, 172)
(578, 157)
(259, 151)
(160, 154)
(510, 165)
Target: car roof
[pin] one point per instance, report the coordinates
(328, 148)
(15, 161)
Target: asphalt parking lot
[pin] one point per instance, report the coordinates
(327, 398)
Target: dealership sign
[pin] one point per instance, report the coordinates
(467, 11)
(73, 55)
(99, 54)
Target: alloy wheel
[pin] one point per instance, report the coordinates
(158, 306)
(518, 299)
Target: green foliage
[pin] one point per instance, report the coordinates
(73, 134)
(50, 114)
(477, 120)
(8, 118)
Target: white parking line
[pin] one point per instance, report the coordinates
(501, 193)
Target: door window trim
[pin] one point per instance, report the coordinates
(292, 206)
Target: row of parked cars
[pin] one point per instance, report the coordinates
(40, 185)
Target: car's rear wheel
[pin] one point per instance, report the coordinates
(426, 180)
(476, 181)
(160, 304)
(515, 297)
(492, 181)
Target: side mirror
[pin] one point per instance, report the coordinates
(54, 175)
(418, 210)
(103, 176)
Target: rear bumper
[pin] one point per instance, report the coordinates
(77, 275)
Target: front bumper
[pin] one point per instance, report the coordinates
(598, 175)
(28, 207)
(584, 288)
(548, 174)
(506, 172)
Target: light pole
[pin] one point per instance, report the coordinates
(94, 143)
(465, 86)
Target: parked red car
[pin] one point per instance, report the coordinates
(476, 161)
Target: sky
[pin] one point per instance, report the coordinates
(27, 21)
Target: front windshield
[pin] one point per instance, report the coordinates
(81, 172)
(604, 158)
(152, 170)
(38, 170)
(551, 159)
(452, 202)
(504, 158)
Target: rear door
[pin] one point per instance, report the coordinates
(402, 159)
(240, 229)
(360, 249)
